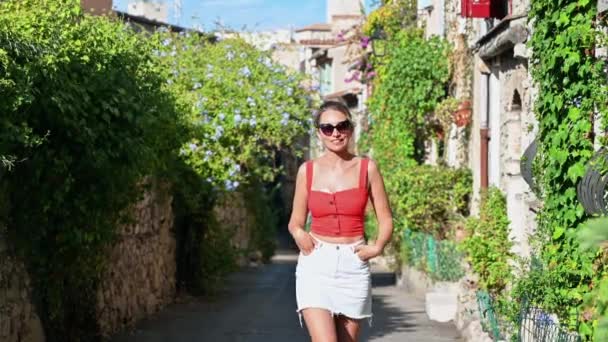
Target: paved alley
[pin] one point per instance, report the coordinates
(258, 304)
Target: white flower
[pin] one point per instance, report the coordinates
(285, 119)
(219, 132)
(245, 72)
(267, 62)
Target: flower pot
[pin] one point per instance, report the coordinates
(462, 116)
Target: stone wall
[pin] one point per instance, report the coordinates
(18, 319)
(232, 214)
(141, 277)
(518, 130)
(448, 301)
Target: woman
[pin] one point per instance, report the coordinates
(333, 280)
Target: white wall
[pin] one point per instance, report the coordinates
(342, 7)
(151, 10)
(494, 164)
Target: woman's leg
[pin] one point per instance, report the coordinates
(347, 329)
(320, 324)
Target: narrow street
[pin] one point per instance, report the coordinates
(258, 304)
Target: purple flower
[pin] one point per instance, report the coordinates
(192, 147)
(251, 101)
(237, 118)
(230, 55)
(365, 42)
(166, 42)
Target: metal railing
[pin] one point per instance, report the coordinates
(440, 259)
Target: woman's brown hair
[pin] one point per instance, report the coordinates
(332, 105)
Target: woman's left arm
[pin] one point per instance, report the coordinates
(382, 208)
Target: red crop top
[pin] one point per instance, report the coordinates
(341, 213)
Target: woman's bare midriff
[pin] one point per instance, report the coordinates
(338, 239)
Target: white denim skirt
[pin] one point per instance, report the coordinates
(334, 278)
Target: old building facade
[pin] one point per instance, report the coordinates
(491, 71)
(327, 57)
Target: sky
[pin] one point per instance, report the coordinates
(252, 15)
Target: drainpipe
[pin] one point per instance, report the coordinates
(484, 131)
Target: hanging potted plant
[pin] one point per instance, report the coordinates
(444, 114)
(462, 116)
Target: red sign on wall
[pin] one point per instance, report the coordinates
(484, 8)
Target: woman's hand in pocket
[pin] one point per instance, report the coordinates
(306, 243)
(366, 252)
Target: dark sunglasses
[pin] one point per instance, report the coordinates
(343, 127)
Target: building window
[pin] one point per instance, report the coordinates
(325, 78)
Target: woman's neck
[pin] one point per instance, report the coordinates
(337, 158)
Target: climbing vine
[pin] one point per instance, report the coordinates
(418, 69)
(571, 87)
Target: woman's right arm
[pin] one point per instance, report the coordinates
(299, 212)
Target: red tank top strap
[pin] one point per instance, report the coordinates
(309, 175)
(363, 174)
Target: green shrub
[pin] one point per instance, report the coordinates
(89, 91)
(91, 108)
(427, 198)
(488, 245)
